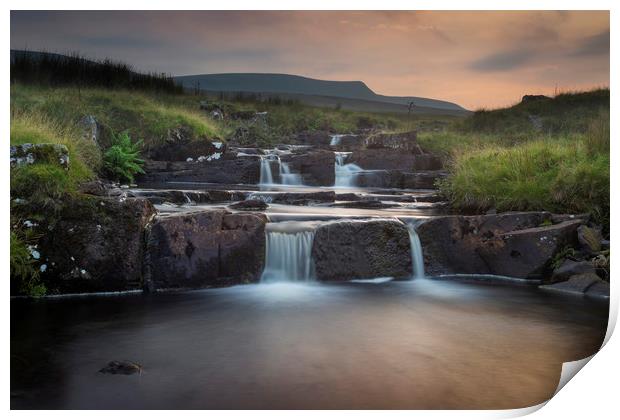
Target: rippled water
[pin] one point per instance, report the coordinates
(416, 344)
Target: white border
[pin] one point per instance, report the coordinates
(593, 395)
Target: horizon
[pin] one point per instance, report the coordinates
(468, 58)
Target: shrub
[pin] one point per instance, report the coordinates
(121, 160)
(23, 267)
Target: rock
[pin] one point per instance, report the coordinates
(96, 245)
(97, 187)
(365, 204)
(577, 283)
(361, 249)
(121, 368)
(227, 170)
(348, 197)
(302, 198)
(598, 289)
(182, 144)
(250, 204)
(243, 115)
(316, 167)
(400, 141)
(31, 153)
(314, 138)
(389, 159)
(399, 179)
(509, 244)
(570, 268)
(91, 130)
(589, 238)
(172, 196)
(204, 249)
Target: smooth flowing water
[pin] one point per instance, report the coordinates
(346, 173)
(416, 249)
(286, 176)
(408, 344)
(289, 252)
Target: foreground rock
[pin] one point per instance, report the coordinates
(351, 249)
(116, 367)
(204, 249)
(510, 244)
(373, 159)
(96, 245)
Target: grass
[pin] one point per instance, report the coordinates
(145, 115)
(564, 169)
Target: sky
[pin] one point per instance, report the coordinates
(476, 59)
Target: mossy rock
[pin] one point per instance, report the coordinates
(29, 154)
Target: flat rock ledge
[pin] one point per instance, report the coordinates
(520, 244)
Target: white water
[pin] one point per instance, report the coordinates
(266, 178)
(335, 140)
(284, 171)
(346, 173)
(416, 250)
(289, 256)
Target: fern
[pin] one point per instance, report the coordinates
(121, 160)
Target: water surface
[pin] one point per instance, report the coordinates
(414, 344)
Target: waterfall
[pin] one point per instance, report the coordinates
(346, 174)
(287, 177)
(289, 256)
(284, 171)
(416, 249)
(335, 140)
(266, 178)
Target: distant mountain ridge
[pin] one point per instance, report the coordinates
(288, 84)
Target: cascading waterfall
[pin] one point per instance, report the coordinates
(335, 140)
(284, 171)
(266, 178)
(346, 173)
(416, 249)
(289, 256)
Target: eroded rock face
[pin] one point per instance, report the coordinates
(181, 144)
(30, 153)
(205, 248)
(399, 179)
(400, 141)
(96, 245)
(229, 169)
(316, 167)
(361, 249)
(511, 244)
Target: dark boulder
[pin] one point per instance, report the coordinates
(520, 244)
(205, 248)
(361, 249)
(226, 170)
(96, 245)
(599, 289)
(313, 138)
(116, 367)
(366, 204)
(578, 283)
(302, 198)
(316, 167)
(399, 179)
(570, 268)
(249, 205)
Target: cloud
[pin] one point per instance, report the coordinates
(593, 45)
(503, 61)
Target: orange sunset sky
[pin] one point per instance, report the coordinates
(476, 59)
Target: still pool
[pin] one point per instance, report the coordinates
(420, 344)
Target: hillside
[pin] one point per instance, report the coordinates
(353, 95)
